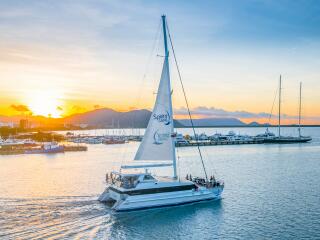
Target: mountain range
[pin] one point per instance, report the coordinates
(109, 118)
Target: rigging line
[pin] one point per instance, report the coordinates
(135, 124)
(274, 99)
(186, 100)
(207, 156)
(154, 44)
(300, 105)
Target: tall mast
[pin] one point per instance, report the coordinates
(166, 52)
(166, 61)
(279, 120)
(299, 129)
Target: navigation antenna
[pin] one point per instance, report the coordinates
(187, 104)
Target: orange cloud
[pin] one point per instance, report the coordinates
(77, 109)
(97, 106)
(20, 108)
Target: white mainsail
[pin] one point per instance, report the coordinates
(158, 140)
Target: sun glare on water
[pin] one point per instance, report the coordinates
(45, 103)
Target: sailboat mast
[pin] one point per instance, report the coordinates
(299, 129)
(166, 54)
(279, 120)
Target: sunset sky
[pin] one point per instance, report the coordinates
(64, 57)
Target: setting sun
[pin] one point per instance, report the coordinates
(45, 103)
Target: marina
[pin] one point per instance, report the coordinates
(218, 142)
(39, 148)
(186, 140)
(79, 141)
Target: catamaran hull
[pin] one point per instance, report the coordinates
(140, 202)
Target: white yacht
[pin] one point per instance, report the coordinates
(135, 191)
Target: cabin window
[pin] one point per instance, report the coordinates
(129, 182)
(148, 177)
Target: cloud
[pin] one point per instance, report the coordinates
(97, 106)
(212, 112)
(218, 112)
(20, 108)
(77, 108)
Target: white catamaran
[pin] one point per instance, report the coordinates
(127, 191)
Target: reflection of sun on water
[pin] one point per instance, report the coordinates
(45, 103)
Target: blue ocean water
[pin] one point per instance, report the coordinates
(271, 192)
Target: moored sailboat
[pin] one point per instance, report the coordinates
(288, 139)
(134, 191)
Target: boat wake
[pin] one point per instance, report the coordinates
(54, 218)
(83, 217)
